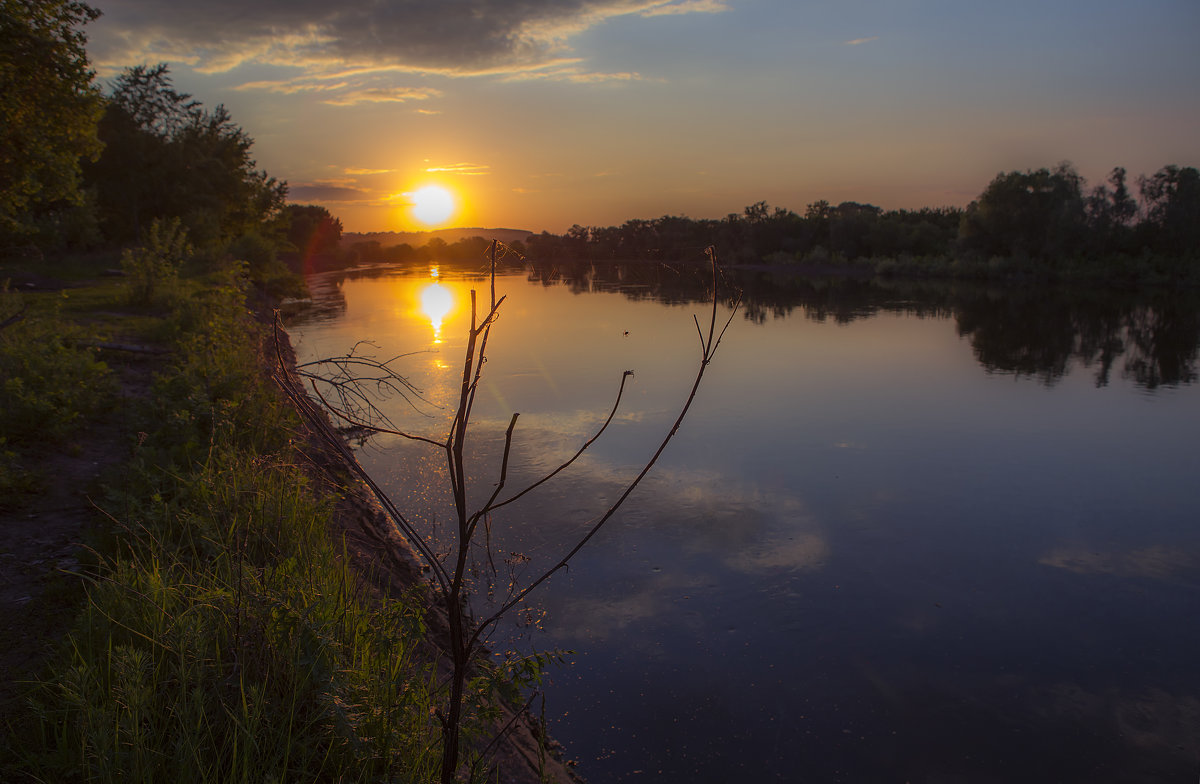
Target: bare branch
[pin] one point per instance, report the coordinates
(612, 413)
(708, 349)
(368, 426)
(499, 485)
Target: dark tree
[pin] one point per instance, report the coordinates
(1111, 211)
(166, 156)
(311, 228)
(48, 110)
(1172, 199)
(1033, 214)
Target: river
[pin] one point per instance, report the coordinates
(908, 532)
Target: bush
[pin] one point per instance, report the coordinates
(153, 268)
(47, 383)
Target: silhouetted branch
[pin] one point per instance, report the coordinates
(709, 347)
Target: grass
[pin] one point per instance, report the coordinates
(222, 633)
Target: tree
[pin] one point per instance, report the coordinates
(1110, 214)
(1172, 198)
(1034, 214)
(48, 109)
(166, 156)
(311, 228)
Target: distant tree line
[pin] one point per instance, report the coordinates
(1043, 218)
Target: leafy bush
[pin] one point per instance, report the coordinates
(153, 268)
(47, 383)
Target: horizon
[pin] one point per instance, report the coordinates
(548, 114)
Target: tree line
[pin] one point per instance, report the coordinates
(1045, 215)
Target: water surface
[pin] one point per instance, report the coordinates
(908, 532)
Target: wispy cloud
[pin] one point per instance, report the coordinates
(383, 95)
(292, 86)
(327, 191)
(687, 7)
(860, 41)
(576, 75)
(466, 169)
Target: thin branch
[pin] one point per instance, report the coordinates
(612, 413)
(499, 485)
(505, 730)
(709, 349)
(340, 414)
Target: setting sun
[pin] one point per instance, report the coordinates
(432, 204)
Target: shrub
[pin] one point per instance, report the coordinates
(153, 268)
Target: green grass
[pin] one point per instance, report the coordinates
(223, 634)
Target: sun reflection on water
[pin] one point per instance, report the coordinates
(436, 303)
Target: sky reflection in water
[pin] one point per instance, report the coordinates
(905, 534)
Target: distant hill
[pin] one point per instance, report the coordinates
(387, 239)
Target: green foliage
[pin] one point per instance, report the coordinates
(312, 229)
(48, 384)
(265, 269)
(153, 267)
(225, 635)
(229, 640)
(48, 111)
(165, 156)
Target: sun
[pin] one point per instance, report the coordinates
(432, 204)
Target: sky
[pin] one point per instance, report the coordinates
(541, 114)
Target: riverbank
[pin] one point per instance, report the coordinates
(185, 594)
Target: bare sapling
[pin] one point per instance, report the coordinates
(345, 392)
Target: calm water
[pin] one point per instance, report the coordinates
(907, 533)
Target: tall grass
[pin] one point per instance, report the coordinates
(225, 636)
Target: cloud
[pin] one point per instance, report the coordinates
(383, 95)
(465, 169)
(859, 41)
(292, 86)
(452, 37)
(570, 74)
(688, 7)
(326, 192)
